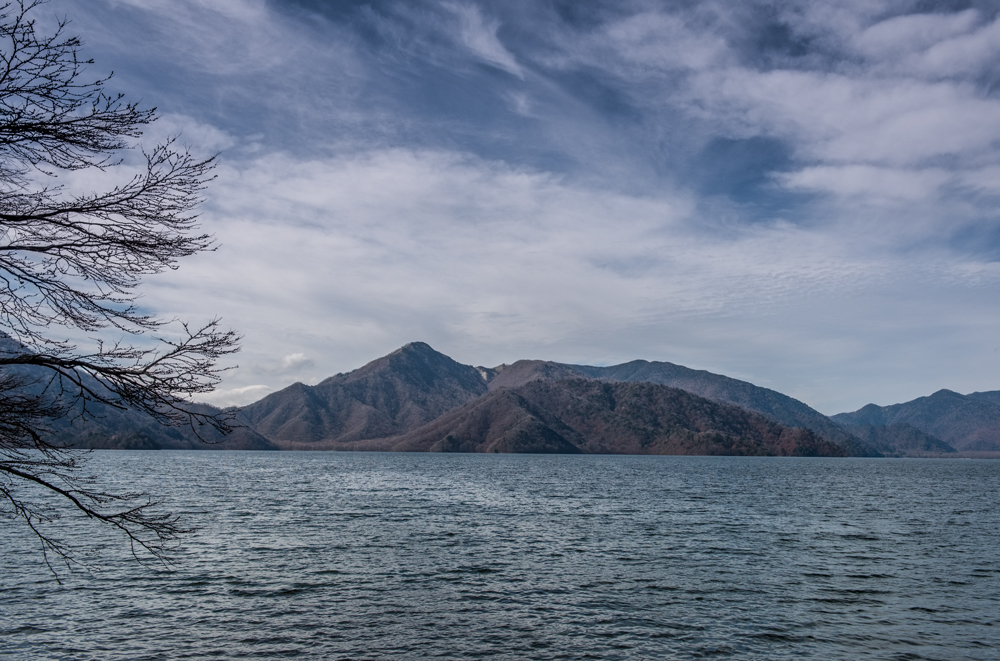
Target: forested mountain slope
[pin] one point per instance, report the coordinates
(598, 417)
(965, 422)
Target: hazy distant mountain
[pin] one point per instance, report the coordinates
(387, 397)
(113, 429)
(598, 417)
(966, 422)
(108, 427)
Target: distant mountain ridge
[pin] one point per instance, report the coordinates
(115, 429)
(968, 423)
(417, 399)
(112, 428)
(718, 388)
(600, 417)
(395, 401)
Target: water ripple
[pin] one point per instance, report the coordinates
(364, 556)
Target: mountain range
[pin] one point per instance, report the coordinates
(969, 423)
(417, 399)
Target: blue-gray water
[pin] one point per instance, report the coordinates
(367, 556)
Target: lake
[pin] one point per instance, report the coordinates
(401, 556)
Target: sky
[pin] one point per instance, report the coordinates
(800, 194)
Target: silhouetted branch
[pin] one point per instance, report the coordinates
(74, 261)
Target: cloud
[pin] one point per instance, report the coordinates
(287, 367)
(871, 183)
(835, 118)
(479, 35)
(866, 103)
(913, 33)
(830, 111)
(245, 67)
(932, 46)
(986, 180)
(224, 397)
(661, 41)
(294, 361)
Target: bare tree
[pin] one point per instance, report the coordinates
(70, 265)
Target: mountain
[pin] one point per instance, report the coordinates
(965, 422)
(782, 408)
(990, 396)
(599, 417)
(387, 397)
(415, 385)
(108, 427)
(526, 371)
(419, 399)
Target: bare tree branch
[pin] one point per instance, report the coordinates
(72, 263)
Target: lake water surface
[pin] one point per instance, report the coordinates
(401, 556)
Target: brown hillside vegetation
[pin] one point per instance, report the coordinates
(594, 417)
(389, 396)
(718, 388)
(965, 422)
(416, 398)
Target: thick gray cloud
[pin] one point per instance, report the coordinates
(801, 194)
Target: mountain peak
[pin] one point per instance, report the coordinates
(390, 395)
(944, 392)
(420, 347)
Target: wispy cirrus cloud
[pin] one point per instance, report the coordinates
(479, 35)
